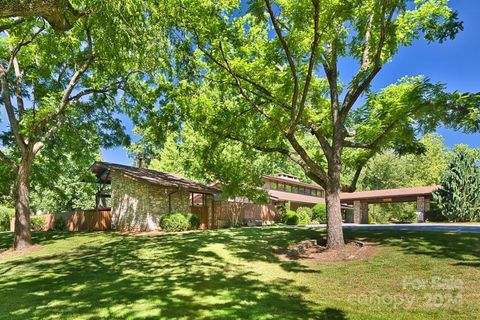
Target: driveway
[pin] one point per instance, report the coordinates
(445, 227)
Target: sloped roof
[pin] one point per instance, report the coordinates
(292, 182)
(164, 179)
(295, 197)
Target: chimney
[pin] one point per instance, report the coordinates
(140, 162)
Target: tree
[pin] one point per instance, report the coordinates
(60, 179)
(266, 74)
(60, 14)
(238, 169)
(389, 170)
(50, 79)
(459, 196)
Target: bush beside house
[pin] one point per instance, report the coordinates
(290, 218)
(304, 215)
(319, 213)
(174, 222)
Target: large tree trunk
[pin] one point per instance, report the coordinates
(334, 219)
(334, 214)
(23, 234)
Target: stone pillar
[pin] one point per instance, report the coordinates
(427, 204)
(357, 212)
(421, 206)
(364, 213)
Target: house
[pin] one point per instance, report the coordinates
(284, 188)
(139, 197)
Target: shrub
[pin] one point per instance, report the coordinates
(406, 216)
(172, 222)
(319, 213)
(37, 223)
(59, 223)
(304, 215)
(6, 214)
(290, 218)
(435, 214)
(194, 221)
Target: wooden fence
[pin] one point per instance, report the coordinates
(234, 213)
(87, 220)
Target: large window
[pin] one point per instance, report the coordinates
(275, 185)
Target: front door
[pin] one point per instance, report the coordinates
(202, 212)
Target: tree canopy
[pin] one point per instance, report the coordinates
(51, 80)
(265, 74)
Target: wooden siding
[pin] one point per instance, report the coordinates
(237, 212)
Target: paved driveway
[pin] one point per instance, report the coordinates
(445, 227)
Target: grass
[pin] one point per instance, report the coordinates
(235, 274)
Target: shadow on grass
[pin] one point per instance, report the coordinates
(196, 275)
(149, 277)
(6, 238)
(464, 247)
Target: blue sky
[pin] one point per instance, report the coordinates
(455, 63)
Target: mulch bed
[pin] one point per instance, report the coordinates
(15, 253)
(315, 251)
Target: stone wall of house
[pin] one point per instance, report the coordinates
(137, 205)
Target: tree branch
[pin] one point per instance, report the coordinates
(10, 109)
(18, 87)
(353, 184)
(290, 60)
(66, 95)
(59, 13)
(312, 165)
(326, 147)
(368, 71)
(12, 24)
(311, 65)
(8, 161)
(245, 95)
(262, 91)
(117, 85)
(14, 51)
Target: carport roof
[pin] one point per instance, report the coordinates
(388, 195)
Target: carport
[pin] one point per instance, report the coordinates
(361, 200)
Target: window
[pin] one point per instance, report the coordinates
(295, 189)
(288, 188)
(197, 199)
(274, 185)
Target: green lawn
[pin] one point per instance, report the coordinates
(236, 274)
